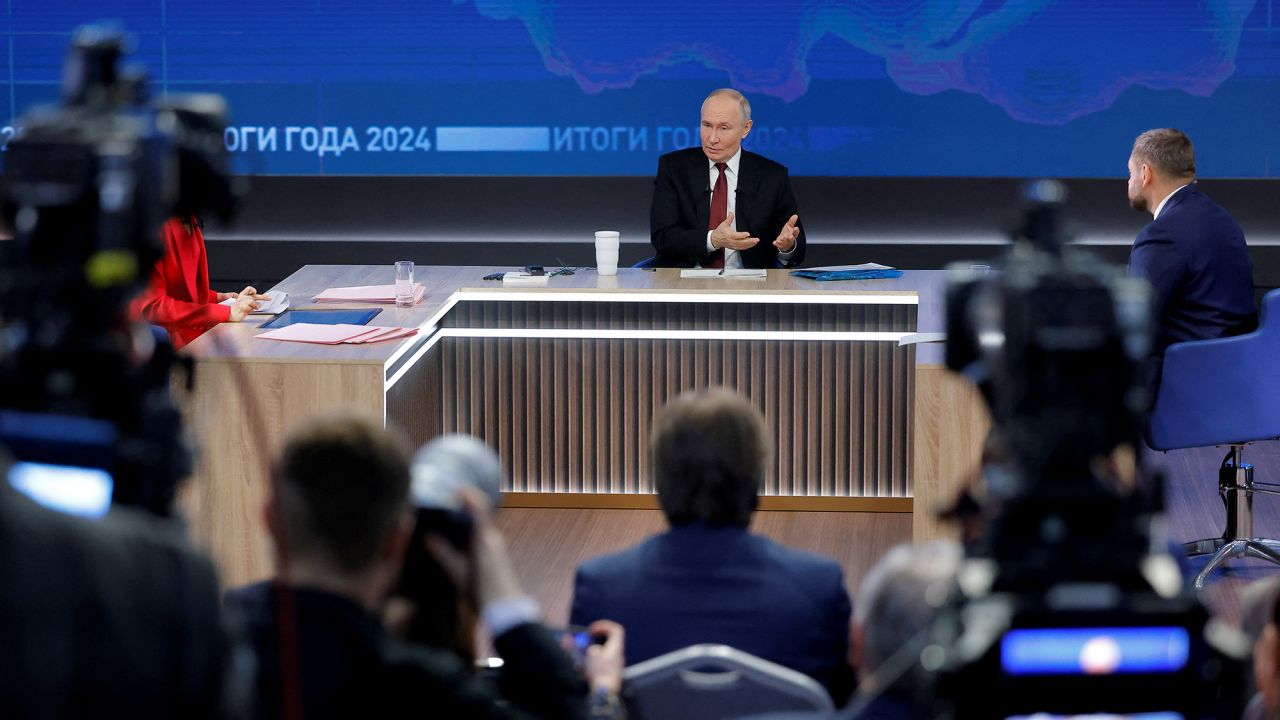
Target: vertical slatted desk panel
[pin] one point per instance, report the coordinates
(564, 380)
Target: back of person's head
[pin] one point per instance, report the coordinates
(342, 486)
(1266, 666)
(709, 452)
(1167, 150)
(898, 600)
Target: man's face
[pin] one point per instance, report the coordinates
(1136, 199)
(722, 128)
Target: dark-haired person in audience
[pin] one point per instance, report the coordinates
(114, 618)
(708, 579)
(1192, 252)
(177, 297)
(898, 600)
(339, 515)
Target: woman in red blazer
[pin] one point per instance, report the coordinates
(178, 297)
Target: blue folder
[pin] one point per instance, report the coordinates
(847, 274)
(357, 316)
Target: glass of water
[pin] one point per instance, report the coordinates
(404, 283)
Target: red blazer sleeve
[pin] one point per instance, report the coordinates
(177, 296)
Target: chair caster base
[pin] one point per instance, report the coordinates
(1224, 549)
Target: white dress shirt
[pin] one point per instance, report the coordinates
(732, 258)
(1160, 207)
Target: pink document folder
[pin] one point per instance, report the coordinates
(336, 334)
(367, 293)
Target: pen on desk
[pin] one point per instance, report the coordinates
(721, 271)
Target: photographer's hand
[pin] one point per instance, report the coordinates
(486, 569)
(605, 662)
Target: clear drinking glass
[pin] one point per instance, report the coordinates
(404, 283)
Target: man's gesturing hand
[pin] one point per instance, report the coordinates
(724, 236)
(786, 241)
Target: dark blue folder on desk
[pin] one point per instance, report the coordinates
(848, 274)
(356, 316)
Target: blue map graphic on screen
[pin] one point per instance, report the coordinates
(584, 87)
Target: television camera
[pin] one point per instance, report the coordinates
(1069, 601)
(87, 185)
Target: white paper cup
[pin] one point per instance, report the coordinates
(607, 242)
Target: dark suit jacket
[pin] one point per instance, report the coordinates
(682, 205)
(350, 667)
(699, 584)
(1194, 256)
(115, 618)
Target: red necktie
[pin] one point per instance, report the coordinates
(719, 209)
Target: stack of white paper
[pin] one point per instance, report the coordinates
(756, 273)
(524, 278)
(368, 294)
(336, 334)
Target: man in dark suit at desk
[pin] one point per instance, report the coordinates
(720, 206)
(1193, 253)
(708, 579)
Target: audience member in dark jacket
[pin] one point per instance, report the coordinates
(708, 579)
(109, 618)
(338, 513)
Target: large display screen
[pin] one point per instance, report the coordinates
(1013, 88)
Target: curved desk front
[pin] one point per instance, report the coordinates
(564, 380)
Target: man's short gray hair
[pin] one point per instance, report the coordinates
(898, 600)
(735, 95)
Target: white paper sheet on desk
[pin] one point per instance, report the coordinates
(367, 293)
(278, 303)
(863, 266)
(524, 278)
(724, 272)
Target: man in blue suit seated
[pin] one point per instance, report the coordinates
(708, 579)
(1193, 253)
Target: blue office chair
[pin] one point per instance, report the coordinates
(1225, 392)
(708, 682)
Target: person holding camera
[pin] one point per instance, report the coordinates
(339, 514)
(177, 297)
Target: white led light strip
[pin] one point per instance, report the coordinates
(586, 334)
(640, 296)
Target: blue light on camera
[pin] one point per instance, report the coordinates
(1102, 716)
(1094, 651)
(81, 491)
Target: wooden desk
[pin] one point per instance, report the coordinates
(563, 381)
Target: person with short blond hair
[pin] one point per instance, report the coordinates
(1192, 252)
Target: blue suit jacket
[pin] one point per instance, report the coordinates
(1195, 257)
(699, 584)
